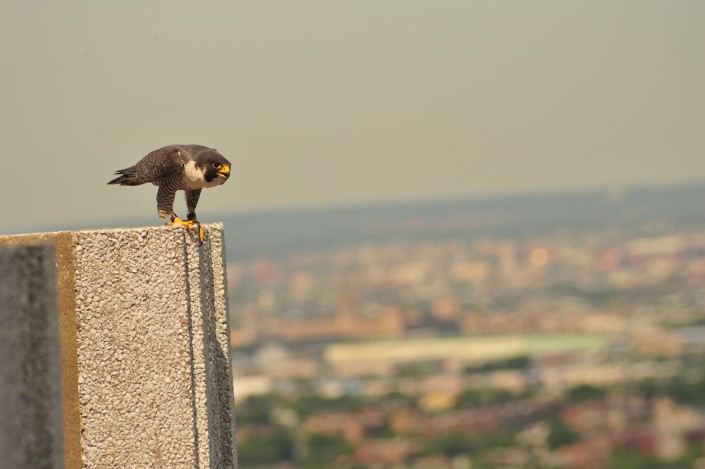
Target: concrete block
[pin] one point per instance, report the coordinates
(30, 389)
(151, 374)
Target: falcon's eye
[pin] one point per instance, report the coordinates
(216, 165)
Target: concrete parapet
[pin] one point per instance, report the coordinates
(145, 354)
(30, 394)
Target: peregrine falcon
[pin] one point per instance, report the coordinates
(189, 168)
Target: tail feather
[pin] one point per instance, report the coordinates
(128, 177)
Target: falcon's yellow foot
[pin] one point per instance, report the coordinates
(191, 223)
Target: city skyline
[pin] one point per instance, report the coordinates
(576, 341)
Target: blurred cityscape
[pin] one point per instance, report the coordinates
(545, 331)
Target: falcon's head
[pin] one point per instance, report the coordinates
(215, 168)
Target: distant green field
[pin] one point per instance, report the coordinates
(541, 343)
(475, 349)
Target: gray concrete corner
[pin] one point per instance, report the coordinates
(150, 383)
(30, 390)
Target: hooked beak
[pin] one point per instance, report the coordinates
(224, 172)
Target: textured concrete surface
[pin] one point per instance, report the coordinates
(152, 371)
(30, 390)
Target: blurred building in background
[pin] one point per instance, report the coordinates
(550, 345)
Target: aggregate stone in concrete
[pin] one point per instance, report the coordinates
(144, 347)
(30, 390)
(153, 368)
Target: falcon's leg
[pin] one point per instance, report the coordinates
(166, 197)
(191, 202)
(165, 201)
(189, 223)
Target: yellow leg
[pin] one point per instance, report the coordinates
(190, 224)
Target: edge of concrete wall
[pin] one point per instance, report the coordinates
(30, 390)
(173, 330)
(63, 246)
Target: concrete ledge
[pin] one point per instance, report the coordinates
(30, 394)
(152, 375)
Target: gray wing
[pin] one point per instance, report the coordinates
(160, 164)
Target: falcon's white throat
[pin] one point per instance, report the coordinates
(194, 177)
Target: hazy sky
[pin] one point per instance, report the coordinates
(324, 102)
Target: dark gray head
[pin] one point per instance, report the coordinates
(213, 164)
